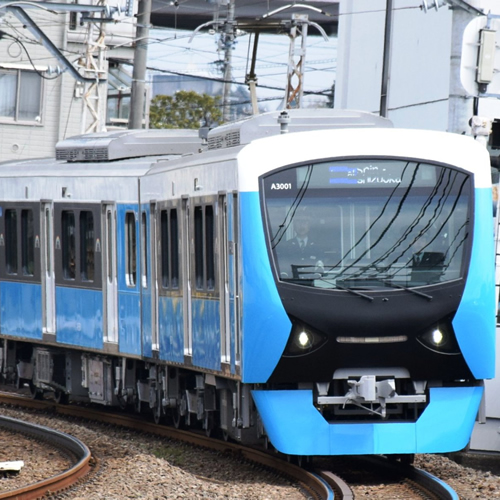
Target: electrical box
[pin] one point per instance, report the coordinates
(486, 62)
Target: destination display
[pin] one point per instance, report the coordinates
(383, 173)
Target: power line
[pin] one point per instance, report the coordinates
(37, 71)
(221, 80)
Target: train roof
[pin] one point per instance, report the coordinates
(47, 167)
(293, 120)
(123, 144)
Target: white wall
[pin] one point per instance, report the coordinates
(419, 71)
(62, 109)
(420, 79)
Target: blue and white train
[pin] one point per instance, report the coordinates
(314, 279)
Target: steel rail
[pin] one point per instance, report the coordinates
(319, 484)
(315, 486)
(59, 440)
(424, 480)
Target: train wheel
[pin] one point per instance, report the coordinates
(177, 418)
(158, 413)
(122, 402)
(405, 459)
(138, 405)
(35, 392)
(61, 397)
(302, 461)
(267, 444)
(208, 423)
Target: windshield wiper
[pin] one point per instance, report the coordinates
(407, 289)
(354, 292)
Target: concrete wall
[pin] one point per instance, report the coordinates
(419, 64)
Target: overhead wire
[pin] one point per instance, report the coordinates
(39, 73)
(47, 20)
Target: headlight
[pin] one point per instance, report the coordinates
(440, 338)
(303, 340)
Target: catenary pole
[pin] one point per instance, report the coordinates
(228, 39)
(140, 65)
(384, 90)
(460, 109)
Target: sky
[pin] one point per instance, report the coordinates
(171, 50)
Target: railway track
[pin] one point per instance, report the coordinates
(382, 478)
(66, 444)
(321, 482)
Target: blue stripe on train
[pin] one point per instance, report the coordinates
(171, 328)
(206, 333)
(21, 309)
(79, 316)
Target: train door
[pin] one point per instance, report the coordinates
(186, 272)
(48, 280)
(110, 288)
(228, 279)
(145, 284)
(154, 282)
(224, 280)
(234, 273)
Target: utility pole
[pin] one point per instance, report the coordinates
(95, 92)
(460, 108)
(384, 90)
(228, 42)
(140, 65)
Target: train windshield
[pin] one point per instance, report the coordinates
(367, 224)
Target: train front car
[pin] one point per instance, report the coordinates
(368, 311)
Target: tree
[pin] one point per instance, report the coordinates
(185, 109)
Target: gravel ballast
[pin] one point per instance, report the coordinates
(133, 465)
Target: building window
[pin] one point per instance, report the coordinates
(20, 95)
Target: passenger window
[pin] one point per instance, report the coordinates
(174, 248)
(169, 235)
(68, 245)
(27, 243)
(110, 240)
(48, 243)
(164, 249)
(204, 247)
(198, 247)
(130, 249)
(87, 246)
(11, 241)
(210, 245)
